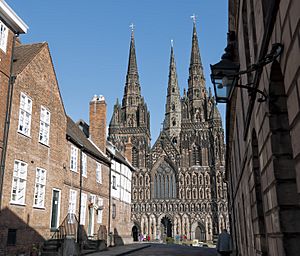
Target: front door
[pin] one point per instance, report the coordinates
(55, 209)
(167, 226)
(91, 221)
(135, 233)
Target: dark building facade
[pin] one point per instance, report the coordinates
(263, 152)
(178, 188)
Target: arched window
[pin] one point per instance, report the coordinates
(135, 157)
(164, 182)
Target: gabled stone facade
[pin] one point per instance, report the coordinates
(178, 189)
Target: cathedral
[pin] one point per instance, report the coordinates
(178, 189)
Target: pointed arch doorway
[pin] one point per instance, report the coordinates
(200, 233)
(166, 226)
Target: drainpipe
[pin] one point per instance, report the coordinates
(110, 237)
(7, 117)
(79, 233)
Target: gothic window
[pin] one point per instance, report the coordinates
(141, 180)
(141, 194)
(173, 106)
(194, 180)
(201, 179)
(155, 186)
(188, 179)
(194, 194)
(196, 155)
(173, 122)
(174, 140)
(164, 182)
(135, 156)
(173, 89)
(207, 180)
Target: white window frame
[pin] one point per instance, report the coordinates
(99, 173)
(72, 205)
(83, 208)
(73, 158)
(25, 113)
(100, 210)
(44, 126)
(3, 36)
(84, 165)
(18, 189)
(40, 187)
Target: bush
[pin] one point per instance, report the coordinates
(170, 240)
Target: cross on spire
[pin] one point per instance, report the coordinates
(172, 42)
(132, 27)
(193, 17)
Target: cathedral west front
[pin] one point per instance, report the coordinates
(178, 189)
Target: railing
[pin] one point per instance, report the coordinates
(68, 228)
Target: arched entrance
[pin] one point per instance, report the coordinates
(200, 233)
(166, 226)
(135, 233)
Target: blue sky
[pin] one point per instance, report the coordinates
(89, 42)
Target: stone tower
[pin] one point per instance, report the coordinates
(129, 128)
(180, 191)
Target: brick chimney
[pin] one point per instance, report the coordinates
(128, 150)
(98, 121)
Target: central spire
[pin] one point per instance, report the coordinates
(132, 92)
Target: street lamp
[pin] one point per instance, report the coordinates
(225, 74)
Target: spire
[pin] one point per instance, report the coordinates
(195, 54)
(196, 82)
(172, 122)
(173, 83)
(132, 92)
(132, 66)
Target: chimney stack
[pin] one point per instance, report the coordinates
(98, 122)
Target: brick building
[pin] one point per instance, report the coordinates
(263, 153)
(10, 27)
(45, 154)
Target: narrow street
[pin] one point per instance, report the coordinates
(173, 250)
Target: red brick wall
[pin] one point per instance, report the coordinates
(98, 122)
(37, 81)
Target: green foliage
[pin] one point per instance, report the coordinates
(170, 240)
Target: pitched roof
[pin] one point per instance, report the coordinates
(76, 135)
(111, 148)
(24, 54)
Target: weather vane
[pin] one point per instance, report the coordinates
(132, 27)
(193, 17)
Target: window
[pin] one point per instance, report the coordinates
(114, 211)
(84, 165)
(74, 155)
(19, 182)
(99, 173)
(11, 236)
(100, 210)
(83, 209)
(25, 115)
(3, 36)
(114, 182)
(40, 184)
(44, 126)
(72, 205)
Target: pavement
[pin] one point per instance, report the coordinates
(121, 250)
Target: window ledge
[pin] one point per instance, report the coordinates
(44, 144)
(39, 207)
(16, 203)
(22, 133)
